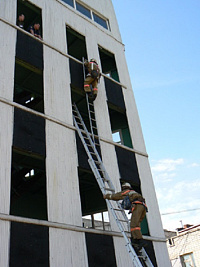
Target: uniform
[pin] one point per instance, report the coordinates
(138, 210)
(92, 77)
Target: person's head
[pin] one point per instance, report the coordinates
(93, 60)
(36, 26)
(21, 17)
(126, 186)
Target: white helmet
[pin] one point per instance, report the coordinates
(126, 185)
(93, 60)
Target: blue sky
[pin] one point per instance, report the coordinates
(162, 47)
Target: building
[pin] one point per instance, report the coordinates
(184, 247)
(46, 185)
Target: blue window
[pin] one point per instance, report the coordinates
(69, 2)
(83, 10)
(100, 21)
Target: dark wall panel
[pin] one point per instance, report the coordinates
(77, 78)
(114, 93)
(29, 50)
(29, 132)
(82, 155)
(150, 251)
(127, 165)
(29, 245)
(100, 250)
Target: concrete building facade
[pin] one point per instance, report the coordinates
(46, 185)
(184, 247)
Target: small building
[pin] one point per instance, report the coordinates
(184, 246)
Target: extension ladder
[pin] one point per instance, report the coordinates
(106, 186)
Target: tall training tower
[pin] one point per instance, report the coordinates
(52, 212)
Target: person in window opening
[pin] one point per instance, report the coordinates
(138, 210)
(20, 21)
(35, 30)
(92, 78)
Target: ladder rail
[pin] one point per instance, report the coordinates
(90, 118)
(89, 103)
(106, 177)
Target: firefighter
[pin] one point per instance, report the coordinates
(138, 210)
(92, 78)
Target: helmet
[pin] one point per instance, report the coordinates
(126, 185)
(93, 60)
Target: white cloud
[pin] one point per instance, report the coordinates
(167, 165)
(193, 165)
(164, 177)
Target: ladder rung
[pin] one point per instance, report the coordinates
(119, 209)
(109, 189)
(96, 144)
(77, 117)
(123, 220)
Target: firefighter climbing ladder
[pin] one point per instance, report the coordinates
(91, 113)
(106, 186)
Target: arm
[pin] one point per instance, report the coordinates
(86, 62)
(31, 31)
(116, 196)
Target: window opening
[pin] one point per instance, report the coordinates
(85, 11)
(28, 185)
(32, 14)
(76, 45)
(69, 2)
(78, 96)
(92, 203)
(100, 21)
(28, 86)
(119, 126)
(98, 221)
(188, 260)
(108, 64)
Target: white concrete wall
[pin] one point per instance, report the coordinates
(7, 62)
(7, 56)
(8, 10)
(64, 205)
(4, 243)
(67, 248)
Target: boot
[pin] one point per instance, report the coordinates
(135, 244)
(141, 244)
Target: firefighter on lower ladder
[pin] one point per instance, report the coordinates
(92, 77)
(138, 210)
